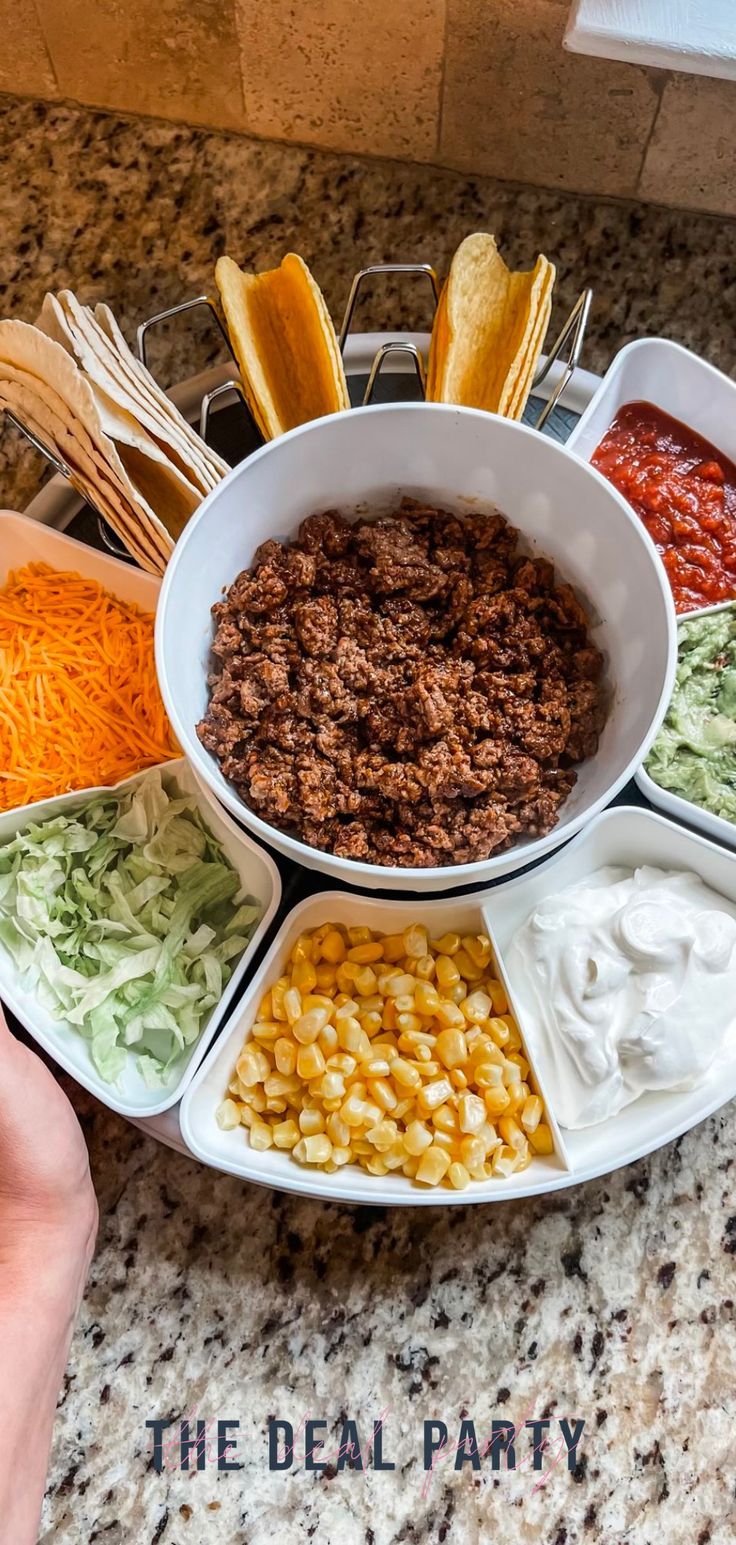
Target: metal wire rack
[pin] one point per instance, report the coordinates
(566, 348)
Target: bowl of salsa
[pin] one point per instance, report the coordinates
(684, 490)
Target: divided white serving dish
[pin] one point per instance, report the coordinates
(686, 810)
(624, 836)
(26, 541)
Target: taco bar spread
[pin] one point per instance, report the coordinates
(694, 754)
(684, 490)
(409, 690)
(620, 974)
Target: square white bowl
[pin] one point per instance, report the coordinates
(131, 1096)
(673, 379)
(623, 836)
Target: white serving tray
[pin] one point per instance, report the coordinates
(623, 836)
(22, 541)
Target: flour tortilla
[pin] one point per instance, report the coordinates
(148, 387)
(76, 328)
(30, 351)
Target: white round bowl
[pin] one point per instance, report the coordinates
(363, 461)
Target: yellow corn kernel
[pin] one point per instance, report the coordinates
(309, 1061)
(450, 1016)
(399, 983)
(292, 1004)
(408, 1022)
(471, 1112)
(434, 1094)
(365, 954)
(451, 1047)
(505, 1162)
(376, 1165)
(260, 1135)
(308, 1026)
(278, 993)
(326, 977)
(333, 948)
(304, 976)
(360, 934)
(444, 1119)
(479, 949)
(404, 1074)
(303, 949)
(381, 1136)
(402, 1109)
(498, 996)
(374, 1067)
(531, 1113)
(252, 1066)
(417, 1137)
(227, 1116)
(521, 1063)
(266, 1031)
(350, 1034)
(380, 1090)
(276, 1106)
(458, 1079)
(497, 1100)
(477, 1007)
(255, 1098)
(425, 968)
(447, 945)
(265, 1007)
(327, 1040)
(467, 967)
(410, 1167)
(388, 1018)
(458, 1176)
(416, 942)
(487, 1075)
(371, 1023)
(311, 1121)
(433, 1165)
(541, 1139)
(512, 1134)
(313, 1150)
(247, 1116)
(472, 1151)
(332, 1087)
(285, 1054)
(352, 1110)
(338, 1130)
(278, 1084)
(393, 947)
(341, 1155)
(426, 998)
(499, 1031)
(285, 1134)
(424, 1059)
(342, 1062)
(365, 981)
(446, 971)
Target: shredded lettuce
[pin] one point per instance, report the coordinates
(125, 918)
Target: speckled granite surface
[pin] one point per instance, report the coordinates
(614, 1302)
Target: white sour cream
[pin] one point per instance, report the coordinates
(625, 982)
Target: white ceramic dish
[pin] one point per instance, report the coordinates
(465, 460)
(680, 383)
(715, 826)
(131, 1096)
(619, 836)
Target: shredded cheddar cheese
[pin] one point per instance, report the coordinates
(79, 699)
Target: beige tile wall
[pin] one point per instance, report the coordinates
(480, 85)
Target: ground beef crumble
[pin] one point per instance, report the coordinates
(408, 691)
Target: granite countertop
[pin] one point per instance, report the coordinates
(212, 1299)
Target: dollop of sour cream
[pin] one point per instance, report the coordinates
(626, 982)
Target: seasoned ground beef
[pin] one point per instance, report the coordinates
(407, 691)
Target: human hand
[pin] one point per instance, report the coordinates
(46, 1191)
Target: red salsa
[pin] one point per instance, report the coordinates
(684, 490)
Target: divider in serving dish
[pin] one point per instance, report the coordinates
(624, 836)
(131, 1096)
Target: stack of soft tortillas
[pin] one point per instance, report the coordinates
(74, 382)
(488, 330)
(284, 342)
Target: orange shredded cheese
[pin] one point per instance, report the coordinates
(79, 699)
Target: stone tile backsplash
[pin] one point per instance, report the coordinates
(482, 86)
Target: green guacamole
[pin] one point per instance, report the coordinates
(694, 754)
